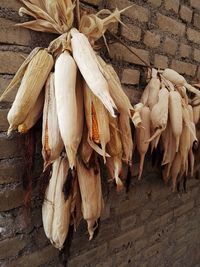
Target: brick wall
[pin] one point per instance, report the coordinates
(149, 226)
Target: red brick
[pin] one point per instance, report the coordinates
(197, 20)
(185, 51)
(197, 55)
(172, 5)
(170, 46)
(10, 61)
(130, 76)
(170, 25)
(132, 33)
(136, 12)
(119, 51)
(183, 67)
(151, 39)
(160, 61)
(195, 4)
(193, 36)
(11, 34)
(186, 13)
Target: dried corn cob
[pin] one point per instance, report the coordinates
(33, 115)
(87, 62)
(34, 79)
(55, 210)
(69, 120)
(52, 143)
(91, 194)
(97, 120)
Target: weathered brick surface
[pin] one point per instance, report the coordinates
(195, 4)
(130, 76)
(197, 55)
(151, 39)
(186, 13)
(118, 51)
(11, 4)
(170, 25)
(136, 12)
(184, 68)
(155, 3)
(193, 36)
(148, 226)
(10, 61)
(132, 33)
(10, 34)
(170, 46)
(172, 5)
(185, 51)
(197, 20)
(160, 61)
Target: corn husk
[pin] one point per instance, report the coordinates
(50, 16)
(114, 147)
(55, 210)
(52, 144)
(86, 60)
(91, 195)
(126, 138)
(33, 115)
(98, 127)
(69, 110)
(118, 95)
(31, 85)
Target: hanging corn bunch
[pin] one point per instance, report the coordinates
(87, 115)
(170, 123)
(80, 96)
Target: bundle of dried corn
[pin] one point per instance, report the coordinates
(169, 118)
(86, 113)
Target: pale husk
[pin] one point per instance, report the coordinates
(126, 137)
(86, 60)
(32, 83)
(91, 194)
(114, 147)
(55, 210)
(70, 113)
(101, 117)
(33, 116)
(117, 93)
(52, 144)
(50, 16)
(62, 209)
